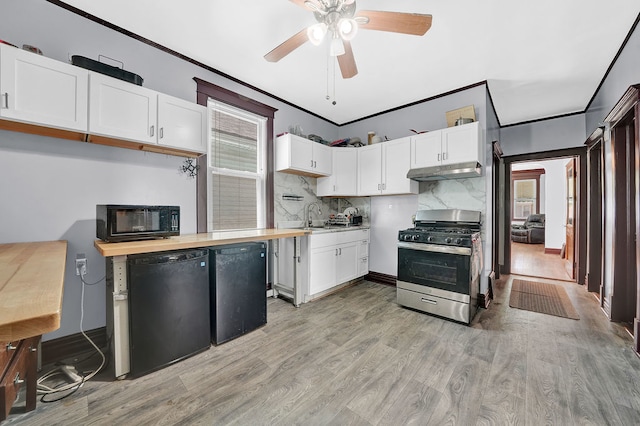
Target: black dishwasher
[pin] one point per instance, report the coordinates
(238, 277)
(168, 307)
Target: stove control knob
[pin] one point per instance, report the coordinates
(448, 240)
(415, 237)
(406, 237)
(458, 240)
(429, 238)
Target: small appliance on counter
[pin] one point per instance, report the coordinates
(119, 222)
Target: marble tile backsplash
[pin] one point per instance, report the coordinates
(304, 189)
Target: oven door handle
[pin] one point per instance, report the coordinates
(465, 251)
(433, 302)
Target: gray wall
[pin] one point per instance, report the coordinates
(624, 73)
(547, 135)
(50, 187)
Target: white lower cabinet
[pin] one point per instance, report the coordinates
(327, 260)
(333, 258)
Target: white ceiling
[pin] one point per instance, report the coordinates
(540, 58)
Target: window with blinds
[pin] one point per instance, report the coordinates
(236, 169)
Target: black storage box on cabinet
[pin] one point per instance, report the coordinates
(106, 69)
(238, 289)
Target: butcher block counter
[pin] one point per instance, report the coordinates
(31, 288)
(206, 239)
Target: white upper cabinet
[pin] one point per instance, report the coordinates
(458, 144)
(298, 155)
(182, 124)
(370, 170)
(122, 110)
(343, 180)
(42, 91)
(383, 167)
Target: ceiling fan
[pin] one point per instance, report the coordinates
(339, 20)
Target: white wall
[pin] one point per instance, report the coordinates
(556, 202)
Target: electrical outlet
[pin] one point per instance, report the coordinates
(81, 264)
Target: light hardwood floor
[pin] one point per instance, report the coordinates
(358, 358)
(531, 260)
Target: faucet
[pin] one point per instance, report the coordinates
(307, 215)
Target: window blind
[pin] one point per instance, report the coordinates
(236, 186)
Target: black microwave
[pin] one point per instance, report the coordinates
(116, 222)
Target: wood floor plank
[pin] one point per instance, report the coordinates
(547, 400)
(503, 402)
(356, 357)
(418, 402)
(460, 402)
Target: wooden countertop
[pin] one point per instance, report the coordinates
(206, 239)
(31, 288)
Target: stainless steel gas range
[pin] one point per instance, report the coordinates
(439, 263)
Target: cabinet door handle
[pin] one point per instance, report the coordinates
(340, 251)
(5, 96)
(336, 252)
(438, 157)
(384, 186)
(161, 132)
(10, 347)
(152, 130)
(378, 187)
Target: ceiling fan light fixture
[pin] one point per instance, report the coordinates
(316, 33)
(337, 47)
(348, 28)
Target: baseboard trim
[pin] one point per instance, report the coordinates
(72, 345)
(552, 250)
(378, 277)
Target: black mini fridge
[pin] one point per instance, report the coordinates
(238, 289)
(168, 307)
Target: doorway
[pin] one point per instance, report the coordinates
(542, 215)
(546, 259)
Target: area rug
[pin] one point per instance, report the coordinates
(548, 299)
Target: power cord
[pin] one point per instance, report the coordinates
(67, 370)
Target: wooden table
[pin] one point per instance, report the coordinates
(117, 286)
(31, 288)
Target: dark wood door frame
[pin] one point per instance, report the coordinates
(496, 200)
(581, 214)
(595, 212)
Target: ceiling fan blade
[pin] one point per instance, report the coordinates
(288, 46)
(396, 22)
(347, 62)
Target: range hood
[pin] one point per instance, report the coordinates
(448, 171)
